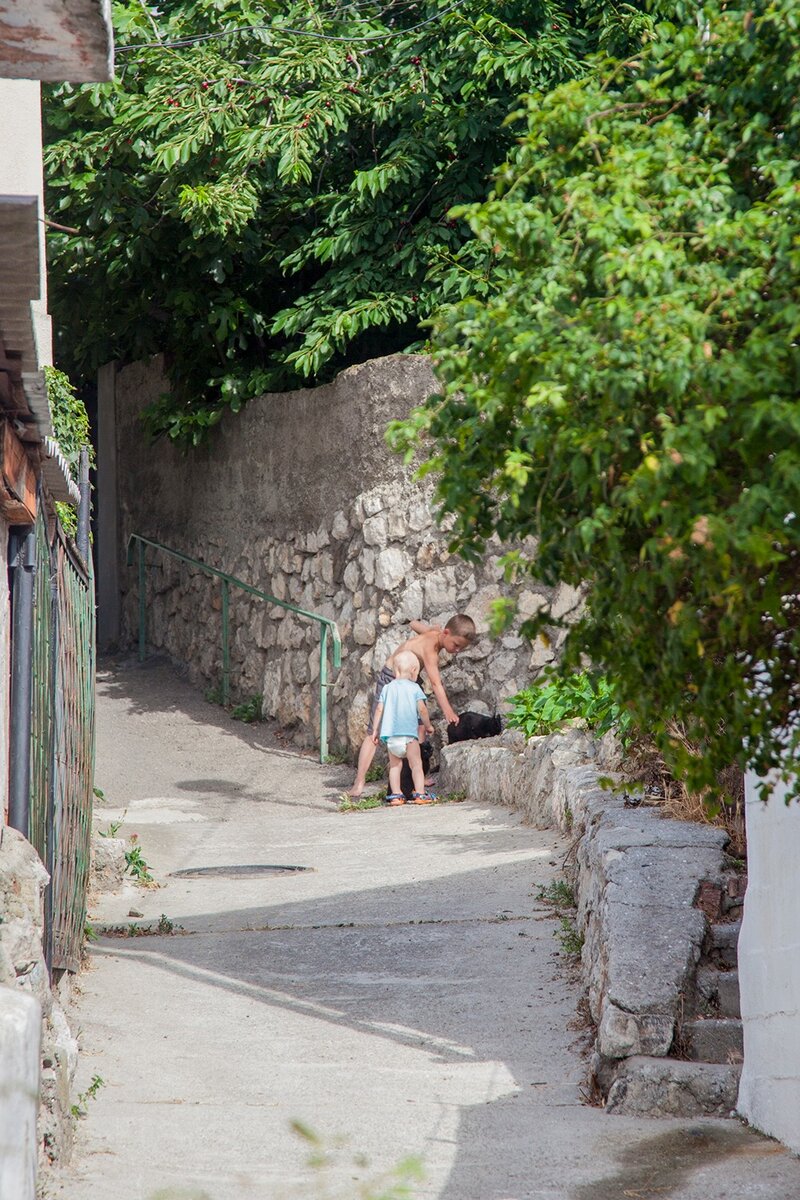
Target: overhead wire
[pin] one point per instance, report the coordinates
(283, 29)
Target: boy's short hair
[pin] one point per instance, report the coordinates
(462, 626)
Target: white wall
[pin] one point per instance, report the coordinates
(21, 174)
(769, 967)
(20, 1042)
(5, 668)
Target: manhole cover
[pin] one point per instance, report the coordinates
(226, 872)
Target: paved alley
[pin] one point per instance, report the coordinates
(401, 994)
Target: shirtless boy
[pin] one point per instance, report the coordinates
(427, 642)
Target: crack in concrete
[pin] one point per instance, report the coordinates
(119, 932)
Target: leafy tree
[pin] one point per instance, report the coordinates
(268, 205)
(628, 393)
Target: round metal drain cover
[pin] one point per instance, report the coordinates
(235, 871)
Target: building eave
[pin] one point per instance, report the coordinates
(56, 40)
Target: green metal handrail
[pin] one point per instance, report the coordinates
(325, 625)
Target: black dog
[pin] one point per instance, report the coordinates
(473, 725)
(406, 781)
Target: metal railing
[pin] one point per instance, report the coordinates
(326, 625)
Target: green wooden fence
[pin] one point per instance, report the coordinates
(62, 735)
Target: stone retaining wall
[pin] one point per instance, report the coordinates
(637, 878)
(298, 496)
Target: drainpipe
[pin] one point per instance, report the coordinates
(23, 568)
(85, 506)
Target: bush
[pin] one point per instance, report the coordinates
(583, 696)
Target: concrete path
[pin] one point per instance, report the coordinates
(402, 997)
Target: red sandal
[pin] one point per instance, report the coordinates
(422, 798)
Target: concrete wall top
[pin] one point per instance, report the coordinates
(286, 452)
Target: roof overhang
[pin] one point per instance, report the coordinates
(56, 40)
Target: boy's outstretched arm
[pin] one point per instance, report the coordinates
(430, 660)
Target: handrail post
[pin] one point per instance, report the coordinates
(226, 649)
(142, 602)
(323, 692)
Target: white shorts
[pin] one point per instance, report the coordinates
(398, 746)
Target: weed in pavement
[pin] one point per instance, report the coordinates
(365, 803)
(571, 941)
(136, 864)
(80, 1109)
(163, 927)
(250, 710)
(559, 894)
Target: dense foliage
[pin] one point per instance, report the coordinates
(71, 430)
(578, 696)
(269, 205)
(628, 394)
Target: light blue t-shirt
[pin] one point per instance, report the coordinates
(399, 699)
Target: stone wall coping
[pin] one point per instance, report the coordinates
(636, 879)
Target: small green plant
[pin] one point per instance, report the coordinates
(583, 696)
(214, 694)
(136, 864)
(98, 793)
(162, 928)
(558, 893)
(250, 710)
(365, 803)
(376, 773)
(337, 756)
(571, 941)
(89, 931)
(361, 803)
(113, 828)
(79, 1109)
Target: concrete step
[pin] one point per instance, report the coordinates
(722, 944)
(714, 1040)
(671, 1087)
(717, 993)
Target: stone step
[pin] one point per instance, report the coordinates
(722, 944)
(714, 1040)
(717, 993)
(670, 1087)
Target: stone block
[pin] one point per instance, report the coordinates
(714, 1040)
(108, 863)
(728, 996)
(440, 591)
(723, 944)
(392, 566)
(372, 503)
(340, 529)
(364, 632)
(375, 531)
(412, 602)
(397, 525)
(419, 516)
(566, 602)
(530, 603)
(668, 1087)
(622, 1034)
